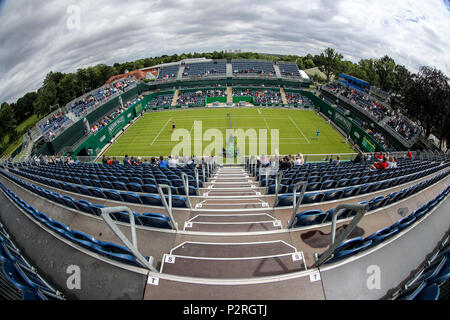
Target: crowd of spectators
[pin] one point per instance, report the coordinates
(298, 99)
(97, 127)
(378, 110)
(162, 162)
(197, 97)
(161, 101)
(260, 96)
(402, 126)
(83, 106)
(54, 124)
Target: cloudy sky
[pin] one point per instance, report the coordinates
(39, 36)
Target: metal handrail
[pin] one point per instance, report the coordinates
(278, 178)
(131, 246)
(168, 206)
(185, 179)
(361, 210)
(295, 204)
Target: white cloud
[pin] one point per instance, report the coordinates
(35, 38)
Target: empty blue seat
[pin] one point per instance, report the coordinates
(83, 190)
(310, 217)
(381, 235)
(13, 276)
(155, 220)
(313, 186)
(412, 291)
(151, 199)
(117, 252)
(96, 183)
(348, 248)
(350, 192)
(112, 195)
(134, 187)
(118, 185)
(97, 192)
(375, 203)
(130, 197)
(365, 188)
(178, 201)
(125, 217)
(404, 222)
(150, 188)
(429, 293)
(106, 184)
(312, 197)
(329, 184)
(332, 195)
(342, 183)
(84, 205)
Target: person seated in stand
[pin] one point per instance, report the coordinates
(409, 155)
(126, 161)
(109, 161)
(153, 162)
(104, 160)
(162, 163)
(359, 158)
(115, 161)
(337, 160)
(382, 165)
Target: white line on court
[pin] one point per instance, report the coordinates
(161, 131)
(299, 129)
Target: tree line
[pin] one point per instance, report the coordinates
(420, 96)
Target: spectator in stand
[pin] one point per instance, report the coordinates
(115, 161)
(153, 162)
(162, 163)
(409, 154)
(126, 161)
(359, 158)
(104, 160)
(337, 160)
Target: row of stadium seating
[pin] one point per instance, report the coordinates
(19, 280)
(329, 178)
(289, 69)
(357, 245)
(169, 72)
(150, 199)
(315, 197)
(107, 249)
(217, 67)
(161, 101)
(427, 282)
(154, 220)
(253, 67)
(317, 216)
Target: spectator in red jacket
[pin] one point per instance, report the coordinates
(409, 154)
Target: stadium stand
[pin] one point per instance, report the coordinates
(253, 67)
(260, 96)
(168, 72)
(289, 69)
(205, 69)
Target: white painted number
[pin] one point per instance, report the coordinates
(169, 259)
(297, 256)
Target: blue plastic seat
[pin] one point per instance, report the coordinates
(97, 192)
(130, 197)
(112, 195)
(342, 183)
(83, 190)
(178, 201)
(155, 220)
(381, 235)
(404, 222)
(14, 277)
(375, 203)
(350, 192)
(348, 248)
(312, 197)
(151, 199)
(117, 252)
(332, 195)
(313, 186)
(310, 217)
(329, 184)
(134, 187)
(106, 184)
(150, 188)
(125, 217)
(84, 205)
(429, 293)
(118, 185)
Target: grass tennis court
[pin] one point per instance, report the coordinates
(151, 134)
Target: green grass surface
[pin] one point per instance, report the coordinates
(151, 134)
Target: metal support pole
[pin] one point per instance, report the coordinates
(131, 246)
(185, 178)
(361, 210)
(167, 206)
(295, 204)
(196, 177)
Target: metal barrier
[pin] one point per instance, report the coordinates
(131, 246)
(295, 204)
(168, 206)
(185, 179)
(361, 210)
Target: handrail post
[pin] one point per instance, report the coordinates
(185, 178)
(204, 175)
(167, 206)
(295, 204)
(361, 210)
(131, 246)
(196, 177)
(278, 178)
